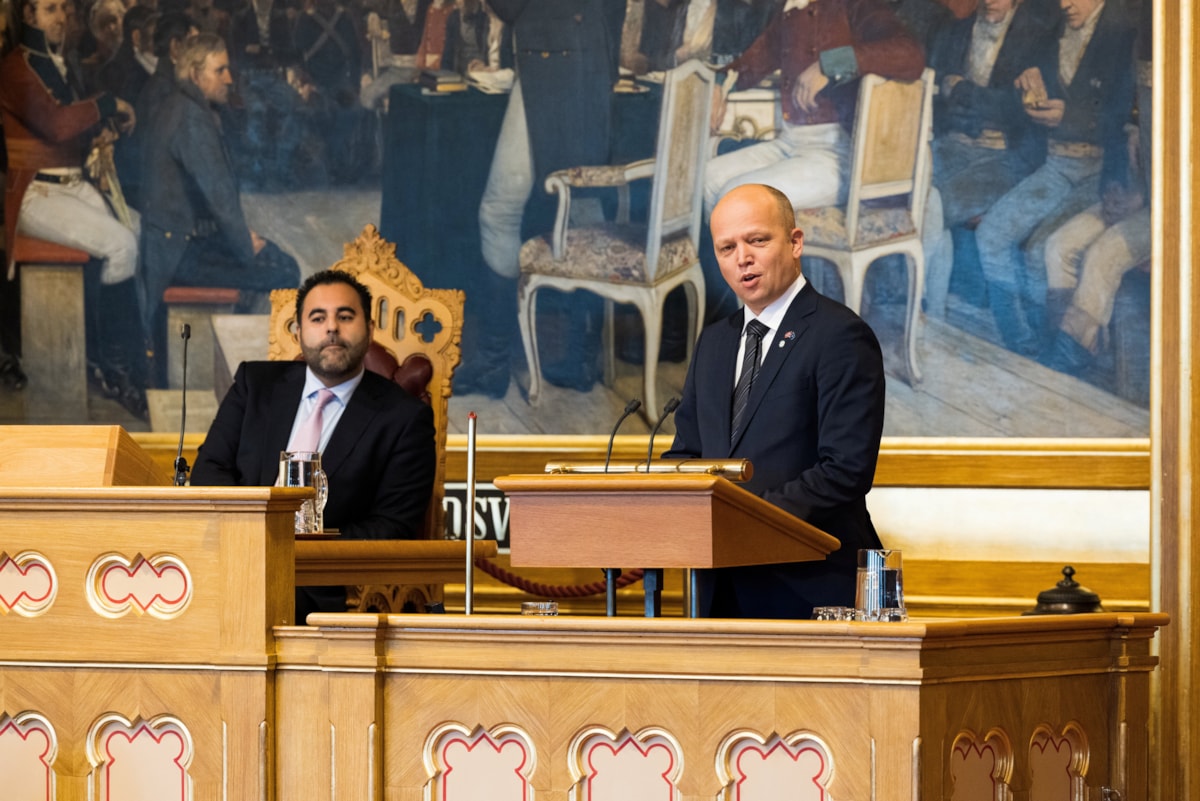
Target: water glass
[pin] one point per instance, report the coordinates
(880, 591)
(303, 469)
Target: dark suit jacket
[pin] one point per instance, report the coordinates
(188, 187)
(380, 460)
(1099, 99)
(970, 109)
(277, 52)
(815, 421)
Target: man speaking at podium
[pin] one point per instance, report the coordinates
(793, 382)
(376, 440)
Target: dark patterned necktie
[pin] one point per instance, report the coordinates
(741, 393)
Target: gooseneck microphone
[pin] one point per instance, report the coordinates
(630, 408)
(181, 465)
(668, 408)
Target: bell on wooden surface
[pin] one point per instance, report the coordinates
(1067, 597)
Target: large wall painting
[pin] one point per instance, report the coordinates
(1035, 229)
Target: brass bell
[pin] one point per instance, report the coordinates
(1066, 597)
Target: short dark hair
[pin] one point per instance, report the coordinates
(173, 26)
(137, 18)
(326, 277)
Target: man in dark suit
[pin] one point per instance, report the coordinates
(376, 441)
(812, 415)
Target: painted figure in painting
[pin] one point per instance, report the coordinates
(795, 383)
(194, 232)
(984, 142)
(1089, 256)
(558, 115)
(50, 126)
(1081, 93)
(820, 48)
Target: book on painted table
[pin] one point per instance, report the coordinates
(442, 80)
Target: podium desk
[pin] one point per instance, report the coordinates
(412, 706)
(651, 521)
(136, 638)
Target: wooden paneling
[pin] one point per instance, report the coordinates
(924, 462)
(887, 699)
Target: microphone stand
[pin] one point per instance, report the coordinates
(668, 408)
(611, 574)
(630, 408)
(181, 465)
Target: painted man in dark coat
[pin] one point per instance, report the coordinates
(559, 115)
(194, 232)
(1082, 95)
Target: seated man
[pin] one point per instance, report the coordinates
(984, 143)
(1082, 94)
(1088, 257)
(193, 230)
(819, 66)
(376, 440)
(49, 129)
(820, 50)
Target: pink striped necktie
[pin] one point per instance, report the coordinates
(308, 436)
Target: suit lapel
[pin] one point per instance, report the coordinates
(723, 364)
(285, 396)
(779, 349)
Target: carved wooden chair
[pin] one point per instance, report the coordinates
(624, 262)
(417, 344)
(889, 181)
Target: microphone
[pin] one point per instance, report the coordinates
(181, 465)
(668, 408)
(630, 408)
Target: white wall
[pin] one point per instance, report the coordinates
(1014, 524)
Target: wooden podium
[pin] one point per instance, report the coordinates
(75, 456)
(652, 521)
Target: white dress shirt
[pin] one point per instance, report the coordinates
(772, 318)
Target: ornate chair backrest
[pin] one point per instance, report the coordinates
(418, 329)
(677, 196)
(891, 144)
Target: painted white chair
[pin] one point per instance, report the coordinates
(889, 181)
(634, 263)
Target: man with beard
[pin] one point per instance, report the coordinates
(194, 232)
(376, 440)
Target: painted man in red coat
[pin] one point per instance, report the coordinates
(49, 128)
(821, 48)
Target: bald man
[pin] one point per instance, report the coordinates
(813, 411)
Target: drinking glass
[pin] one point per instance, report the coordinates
(303, 469)
(880, 591)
